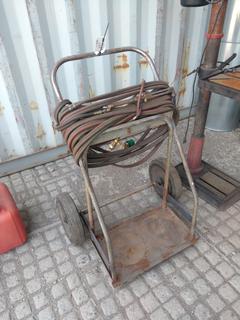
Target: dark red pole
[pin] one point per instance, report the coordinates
(215, 33)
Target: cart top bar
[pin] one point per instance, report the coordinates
(87, 55)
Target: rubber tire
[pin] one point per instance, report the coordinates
(156, 174)
(71, 221)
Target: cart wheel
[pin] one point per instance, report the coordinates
(70, 219)
(156, 173)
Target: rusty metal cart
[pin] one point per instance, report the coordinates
(135, 244)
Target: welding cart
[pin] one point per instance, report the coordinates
(138, 243)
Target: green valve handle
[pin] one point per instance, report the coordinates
(130, 143)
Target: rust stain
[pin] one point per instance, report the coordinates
(2, 108)
(142, 264)
(33, 105)
(122, 62)
(191, 238)
(91, 92)
(40, 132)
(184, 70)
(143, 62)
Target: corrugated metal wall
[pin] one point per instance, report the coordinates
(36, 33)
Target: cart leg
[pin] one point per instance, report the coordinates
(167, 168)
(100, 219)
(90, 210)
(172, 127)
(190, 180)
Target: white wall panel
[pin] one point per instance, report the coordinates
(36, 33)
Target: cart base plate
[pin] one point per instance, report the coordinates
(214, 186)
(141, 242)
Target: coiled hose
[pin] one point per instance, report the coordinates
(81, 122)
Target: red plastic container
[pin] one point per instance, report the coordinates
(12, 229)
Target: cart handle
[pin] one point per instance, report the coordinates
(87, 55)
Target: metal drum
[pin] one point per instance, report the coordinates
(223, 114)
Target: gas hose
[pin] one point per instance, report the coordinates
(81, 122)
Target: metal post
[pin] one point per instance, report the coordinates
(214, 36)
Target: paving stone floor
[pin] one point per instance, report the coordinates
(48, 278)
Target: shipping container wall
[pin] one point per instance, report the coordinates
(34, 34)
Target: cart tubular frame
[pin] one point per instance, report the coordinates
(122, 131)
(109, 262)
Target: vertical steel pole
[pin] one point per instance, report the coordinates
(214, 36)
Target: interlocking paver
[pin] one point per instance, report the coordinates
(46, 263)
(73, 280)
(50, 279)
(79, 295)
(235, 282)
(215, 303)
(152, 278)
(201, 286)
(100, 291)
(177, 280)
(202, 264)
(50, 276)
(9, 267)
(226, 248)
(64, 306)
(13, 281)
(109, 307)
(139, 287)
(40, 300)
(149, 302)
(159, 314)
(2, 304)
(46, 314)
(58, 290)
(236, 307)
(213, 257)
(124, 296)
(65, 268)
(228, 293)
(189, 296)
(134, 312)
(5, 316)
(174, 308)
(189, 273)
(225, 269)
(202, 312)
(29, 272)
(22, 310)
(41, 252)
(214, 278)
(236, 259)
(33, 285)
(229, 315)
(16, 295)
(82, 260)
(89, 311)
